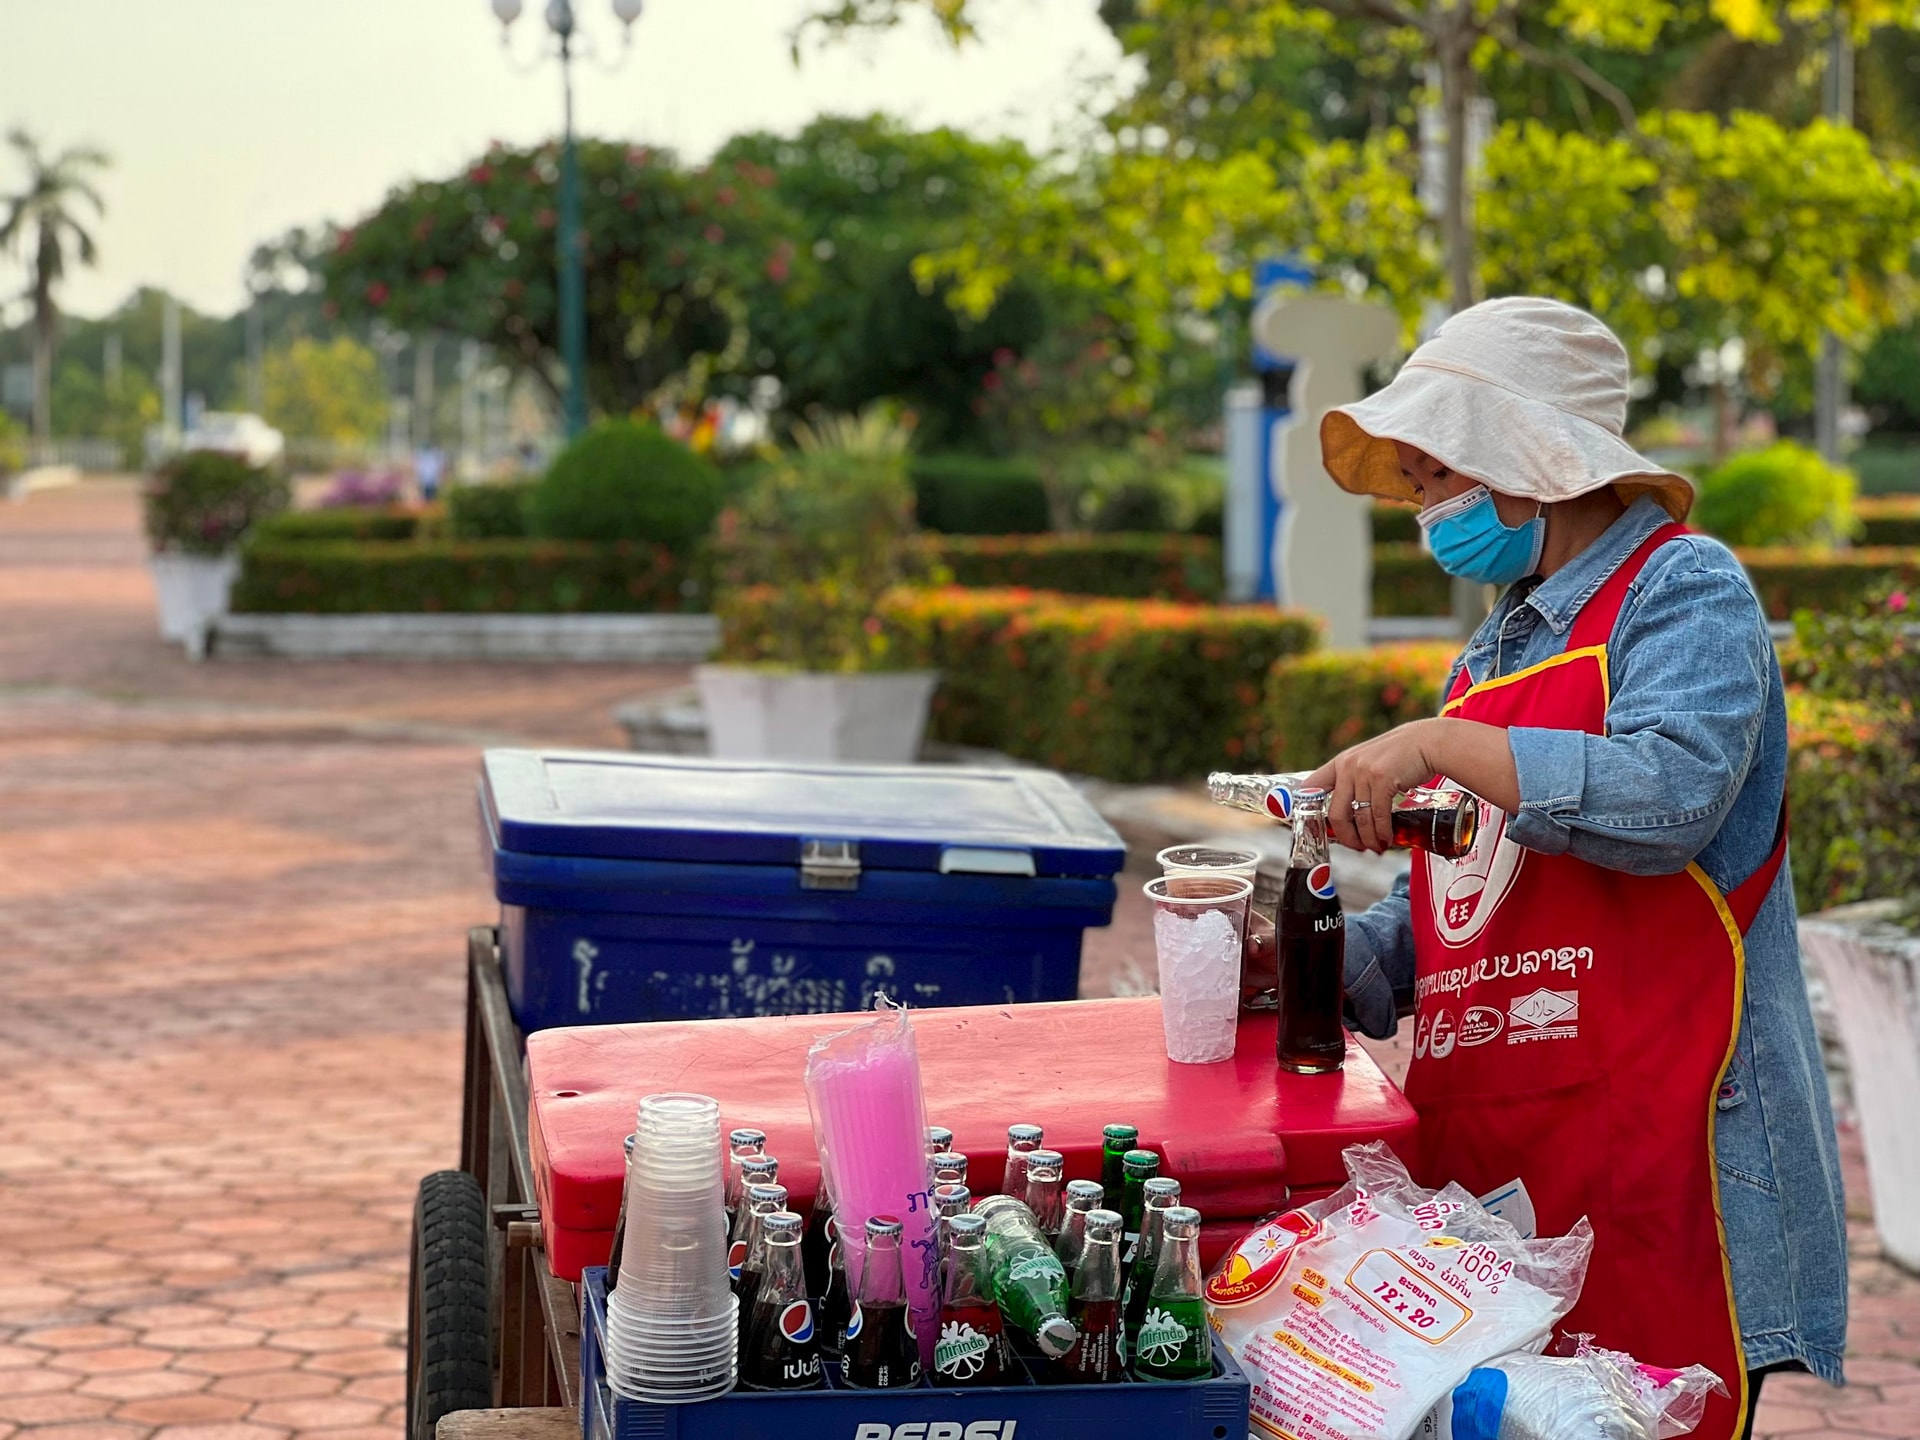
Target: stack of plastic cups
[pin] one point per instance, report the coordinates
(672, 1322)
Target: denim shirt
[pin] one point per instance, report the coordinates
(1692, 768)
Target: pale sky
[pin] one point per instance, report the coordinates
(231, 120)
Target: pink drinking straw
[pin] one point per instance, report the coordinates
(870, 1122)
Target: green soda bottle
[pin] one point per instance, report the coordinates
(1174, 1341)
(1163, 1193)
(1026, 1278)
(1138, 1167)
(1116, 1141)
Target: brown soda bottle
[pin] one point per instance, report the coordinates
(782, 1350)
(742, 1144)
(971, 1348)
(1099, 1355)
(747, 1254)
(836, 1299)
(1442, 819)
(1083, 1198)
(1020, 1140)
(818, 1240)
(879, 1350)
(1311, 949)
(1044, 1197)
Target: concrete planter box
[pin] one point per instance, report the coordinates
(192, 591)
(767, 715)
(1871, 971)
(607, 639)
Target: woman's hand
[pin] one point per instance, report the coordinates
(1468, 753)
(1372, 773)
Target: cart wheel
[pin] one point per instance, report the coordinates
(449, 1364)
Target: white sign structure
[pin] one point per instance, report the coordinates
(1323, 546)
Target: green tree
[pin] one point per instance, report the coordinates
(675, 262)
(120, 408)
(868, 196)
(331, 390)
(44, 218)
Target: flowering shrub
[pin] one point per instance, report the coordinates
(1126, 690)
(364, 489)
(201, 503)
(1320, 703)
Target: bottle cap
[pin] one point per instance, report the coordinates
(743, 1138)
(1308, 794)
(939, 1138)
(767, 1197)
(1161, 1191)
(966, 1226)
(1084, 1194)
(952, 1197)
(1126, 1133)
(1044, 1160)
(1025, 1137)
(628, 1144)
(782, 1224)
(881, 1225)
(764, 1168)
(1056, 1336)
(1182, 1222)
(1103, 1225)
(1141, 1163)
(948, 1160)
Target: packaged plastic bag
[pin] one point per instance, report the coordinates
(1355, 1315)
(1594, 1394)
(870, 1123)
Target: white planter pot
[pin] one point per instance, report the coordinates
(1871, 970)
(768, 715)
(192, 591)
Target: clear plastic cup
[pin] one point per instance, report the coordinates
(1239, 861)
(1198, 925)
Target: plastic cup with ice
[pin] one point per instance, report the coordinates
(1198, 921)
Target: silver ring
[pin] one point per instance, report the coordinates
(1362, 804)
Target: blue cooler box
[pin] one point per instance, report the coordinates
(643, 887)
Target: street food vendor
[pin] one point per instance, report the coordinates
(1606, 991)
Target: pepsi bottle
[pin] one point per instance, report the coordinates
(818, 1239)
(782, 1351)
(880, 1350)
(1310, 942)
(836, 1299)
(746, 1255)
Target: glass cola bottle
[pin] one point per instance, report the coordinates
(1174, 1343)
(1083, 1197)
(746, 1255)
(879, 1350)
(742, 1144)
(836, 1299)
(949, 1167)
(1443, 819)
(1099, 1354)
(818, 1241)
(782, 1351)
(971, 1347)
(1310, 949)
(1045, 1182)
(1021, 1139)
(620, 1222)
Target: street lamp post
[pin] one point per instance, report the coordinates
(573, 286)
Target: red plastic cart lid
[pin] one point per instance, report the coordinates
(1236, 1136)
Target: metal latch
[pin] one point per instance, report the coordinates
(829, 865)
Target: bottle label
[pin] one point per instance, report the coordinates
(961, 1351)
(796, 1322)
(854, 1319)
(1161, 1338)
(1035, 1267)
(1320, 881)
(736, 1258)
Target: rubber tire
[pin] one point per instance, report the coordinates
(449, 1336)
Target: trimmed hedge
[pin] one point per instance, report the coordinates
(496, 511)
(1318, 704)
(1185, 568)
(978, 495)
(526, 577)
(1128, 691)
(297, 527)
(1888, 519)
(1395, 524)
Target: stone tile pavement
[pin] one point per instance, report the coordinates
(233, 900)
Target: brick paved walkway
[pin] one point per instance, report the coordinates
(234, 899)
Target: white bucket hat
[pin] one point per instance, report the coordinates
(1526, 395)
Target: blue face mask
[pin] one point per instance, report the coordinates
(1466, 535)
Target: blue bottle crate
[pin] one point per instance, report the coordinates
(1214, 1409)
(638, 887)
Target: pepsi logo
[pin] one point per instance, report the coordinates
(1320, 881)
(736, 1257)
(796, 1322)
(854, 1322)
(1280, 803)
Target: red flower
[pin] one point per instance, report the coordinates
(629, 201)
(1004, 356)
(343, 242)
(1898, 601)
(990, 381)
(725, 195)
(638, 155)
(480, 174)
(436, 276)
(713, 234)
(545, 219)
(377, 293)
(779, 266)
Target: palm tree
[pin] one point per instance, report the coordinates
(49, 208)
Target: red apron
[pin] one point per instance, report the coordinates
(1573, 1026)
